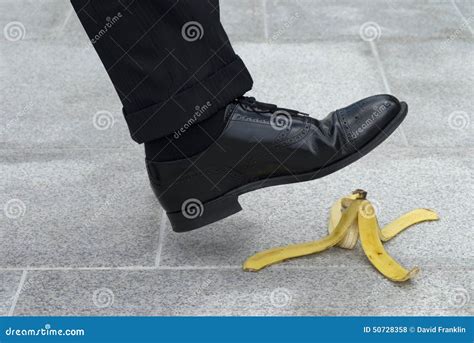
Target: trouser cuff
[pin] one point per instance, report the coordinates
(190, 105)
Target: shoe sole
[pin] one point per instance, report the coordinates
(228, 204)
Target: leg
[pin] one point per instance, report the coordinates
(224, 145)
(165, 59)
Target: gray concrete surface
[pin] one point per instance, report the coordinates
(78, 238)
(277, 291)
(9, 281)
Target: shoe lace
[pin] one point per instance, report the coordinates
(257, 106)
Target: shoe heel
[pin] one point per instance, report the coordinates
(195, 214)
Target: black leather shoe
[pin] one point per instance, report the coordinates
(263, 145)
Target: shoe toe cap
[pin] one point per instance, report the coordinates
(369, 117)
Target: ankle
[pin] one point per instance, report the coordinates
(186, 143)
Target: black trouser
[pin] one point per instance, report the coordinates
(165, 58)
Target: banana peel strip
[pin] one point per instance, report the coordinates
(374, 250)
(354, 217)
(405, 221)
(276, 255)
(387, 233)
(349, 241)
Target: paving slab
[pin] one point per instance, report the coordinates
(306, 20)
(436, 79)
(50, 104)
(318, 79)
(76, 208)
(331, 291)
(268, 20)
(32, 20)
(243, 20)
(398, 181)
(75, 192)
(9, 281)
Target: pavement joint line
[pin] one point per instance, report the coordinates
(223, 267)
(18, 292)
(381, 69)
(214, 267)
(161, 237)
(462, 16)
(67, 148)
(66, 20)
(32, 269)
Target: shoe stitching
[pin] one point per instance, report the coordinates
(345, 126)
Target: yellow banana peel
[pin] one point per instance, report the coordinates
(408, 219)
(349, 241)
(373, 247)
(268, 257)
(352, 217)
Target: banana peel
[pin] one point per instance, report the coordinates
(352, 236)
(275, 255)
(350, 218)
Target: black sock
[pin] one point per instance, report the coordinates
(193, 140)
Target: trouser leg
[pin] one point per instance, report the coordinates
(165, 58)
